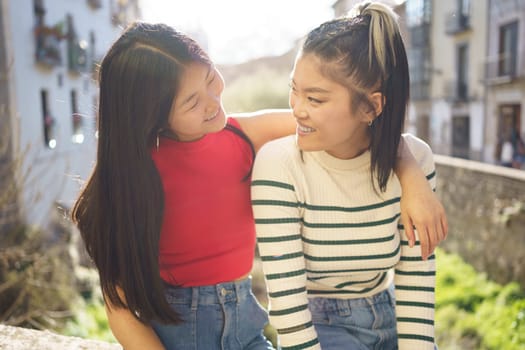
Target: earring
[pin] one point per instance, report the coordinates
(157, 143)
(370, 122)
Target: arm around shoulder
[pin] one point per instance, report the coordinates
(266, 125)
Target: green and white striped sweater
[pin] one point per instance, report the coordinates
(323, 231)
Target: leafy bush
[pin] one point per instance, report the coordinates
(475, 313)
(37, 283)
(90, 321)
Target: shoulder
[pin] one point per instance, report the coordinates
(420, 150)
(281, 153)
(279, 149)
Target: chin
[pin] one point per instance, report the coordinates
(306, 146)
(218, 124)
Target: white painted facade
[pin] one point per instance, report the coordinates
(505, 88)
(52, 169)
(453, 113)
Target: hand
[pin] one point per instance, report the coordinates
(423, 210)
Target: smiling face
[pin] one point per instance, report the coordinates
(197, 110)
(323, 110)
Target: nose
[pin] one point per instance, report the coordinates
(299, 112)
(214, 95)
(214, 102)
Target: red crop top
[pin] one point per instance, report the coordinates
(208, 233)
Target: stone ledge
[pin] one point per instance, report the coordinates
(15, 338)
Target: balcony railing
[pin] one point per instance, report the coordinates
(505, 67)
(420, 91)
(47, 40)
(456, 91)
(78, 56)
(456, 23)
(95, 4)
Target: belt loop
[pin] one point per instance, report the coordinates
(238, 291)
(343, 307)
(194, 298)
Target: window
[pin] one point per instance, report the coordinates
(462, 72)
(423, 127)
(418, 12)
(420, 67)
(464, 14)
(508, 49)
(76, 119)
(464, 7)
(461, 136)
(48, 121)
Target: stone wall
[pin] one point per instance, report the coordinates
(15, 338)
(485, 207)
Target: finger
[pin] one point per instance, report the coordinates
(423, 241)
(444, 226)
(409, 229)
(433, 239)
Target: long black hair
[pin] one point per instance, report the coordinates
(119, 212)
(364, 51)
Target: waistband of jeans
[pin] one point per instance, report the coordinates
(333, 304)
(211, 294)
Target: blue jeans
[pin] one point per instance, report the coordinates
(356, 324)
(224, 316)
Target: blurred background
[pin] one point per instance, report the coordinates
(467, 67)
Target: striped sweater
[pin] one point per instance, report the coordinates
(322, 231)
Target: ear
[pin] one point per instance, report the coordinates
(378, 102)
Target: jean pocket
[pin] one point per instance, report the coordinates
(251, 312)
(181, 336)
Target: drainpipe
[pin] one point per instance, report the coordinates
(485, 84)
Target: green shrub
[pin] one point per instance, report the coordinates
(472, 313)
(475, 313)
(90, 321)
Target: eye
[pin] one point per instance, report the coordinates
(314, 100)
(194, 105)
(212, 78)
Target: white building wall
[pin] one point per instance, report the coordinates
(444, 72)
(51, 175)
(477, 124)
(440, 126)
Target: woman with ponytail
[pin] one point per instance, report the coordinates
(166, 215)
(340, 270)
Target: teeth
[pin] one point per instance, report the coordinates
(305, 128)
(211, 117)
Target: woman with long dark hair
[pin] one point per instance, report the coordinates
(166, 214)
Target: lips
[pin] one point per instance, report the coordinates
(211, 117)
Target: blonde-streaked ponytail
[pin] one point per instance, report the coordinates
(383, 28)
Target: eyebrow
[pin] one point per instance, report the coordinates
(314, 89)
(192, 96)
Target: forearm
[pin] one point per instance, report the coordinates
(408, 170)
(266, 125)
(130, 332)
(281, 251)
(415, 300)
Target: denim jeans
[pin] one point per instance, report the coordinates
(355, 324)
(224, 316)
